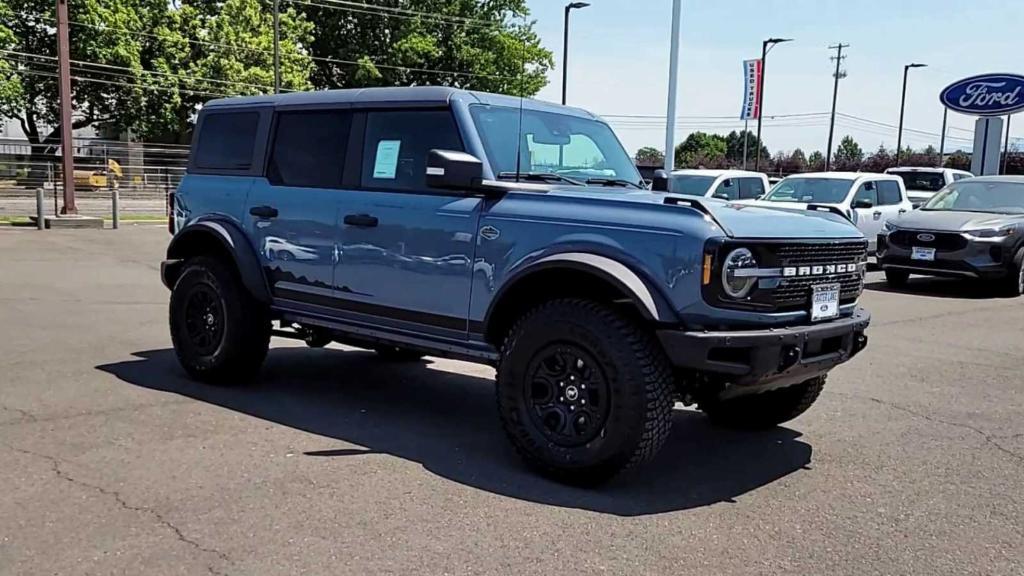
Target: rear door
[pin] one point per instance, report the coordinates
(293, 210)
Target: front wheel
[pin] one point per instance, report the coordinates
(897, 278)
(220, 333)
(583, 391)
(767, 409)
(1013, 283)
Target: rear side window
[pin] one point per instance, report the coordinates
(227, 140)
(751, 188)
(396, 146)
(888, 193)
(308, 150)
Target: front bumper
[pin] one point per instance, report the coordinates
(757, 360)
(986, 258)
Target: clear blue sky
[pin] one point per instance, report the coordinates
(618, 63)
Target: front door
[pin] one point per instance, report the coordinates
(293, 211)
(869, 220)
(406, 251)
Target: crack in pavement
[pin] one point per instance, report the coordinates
(55, 464)
(989, 438)
(30, 418)
(25, 415)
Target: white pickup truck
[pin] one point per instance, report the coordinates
(922, 183)
(721, 184)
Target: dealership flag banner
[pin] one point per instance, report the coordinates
(751, 89)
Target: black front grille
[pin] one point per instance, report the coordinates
(792, 293)
(942, 241)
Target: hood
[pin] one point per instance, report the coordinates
(955, 221)
(736, 219)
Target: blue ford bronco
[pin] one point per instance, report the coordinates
(509, 232)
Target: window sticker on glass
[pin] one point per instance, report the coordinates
(387, 159)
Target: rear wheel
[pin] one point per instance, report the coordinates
(1013, 284)
(220, 333)
(765, 410)
(583, 391)
(896, 278)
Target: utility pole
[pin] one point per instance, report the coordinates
(942, 139)
(277, 47)
(67, 147)
(839, 74)
(673, 81)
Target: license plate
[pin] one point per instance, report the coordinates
(825, 302)
(922, 253)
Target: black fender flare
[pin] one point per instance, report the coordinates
(230, 240)
(651, 304)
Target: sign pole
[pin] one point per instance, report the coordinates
(746, 137)
(67, 148)
(673, 81)
(942, 138)
(1006, 143)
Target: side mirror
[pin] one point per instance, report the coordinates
(454, 170)
(660, 182)
(863, 203)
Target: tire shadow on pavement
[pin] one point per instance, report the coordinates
(448, 422)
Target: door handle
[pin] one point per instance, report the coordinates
(263, 211)
(361, 220)
(903, 210)
(877, 214)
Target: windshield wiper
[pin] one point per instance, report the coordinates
(539, 177)
(614, 182)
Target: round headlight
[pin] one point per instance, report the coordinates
(735, 284)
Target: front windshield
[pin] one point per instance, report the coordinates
(924, 181)
(572, 147)
(980, 196)
(810, 190)
(690, 184)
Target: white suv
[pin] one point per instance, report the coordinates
(868, 200)
(923, 183)
(721, 184)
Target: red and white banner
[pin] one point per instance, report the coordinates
(751, 90)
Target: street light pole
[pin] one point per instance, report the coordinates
(835, 94)
(765, 47)
(942, 139)
(903, 105)
(565, 43)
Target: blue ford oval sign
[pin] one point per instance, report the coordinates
(985, 95)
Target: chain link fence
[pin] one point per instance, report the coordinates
(142, 173)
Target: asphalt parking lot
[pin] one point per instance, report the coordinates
(337, 463)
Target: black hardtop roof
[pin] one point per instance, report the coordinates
(398, 95)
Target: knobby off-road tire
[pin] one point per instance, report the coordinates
(398, 354)
(896, 278)
(561, 427)
(220, 333)
(1013, 284)
(765, 410)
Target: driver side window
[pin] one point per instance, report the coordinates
(727, 190)
(867, 191)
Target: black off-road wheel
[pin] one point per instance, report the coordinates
(896, 278)
(398, 354)
(765, 410)
(220, 333)
(583, 391)
(1013, 283)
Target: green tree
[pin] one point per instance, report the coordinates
(650, 156)
(848, 155)
(958, 160)
(879, 161)
(798, 161)
(702, 149)
(479, 44)
(816, 161)
(734, 147)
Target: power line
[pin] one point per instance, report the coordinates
(378, 10)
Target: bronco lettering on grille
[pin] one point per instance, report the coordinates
(822, 270)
